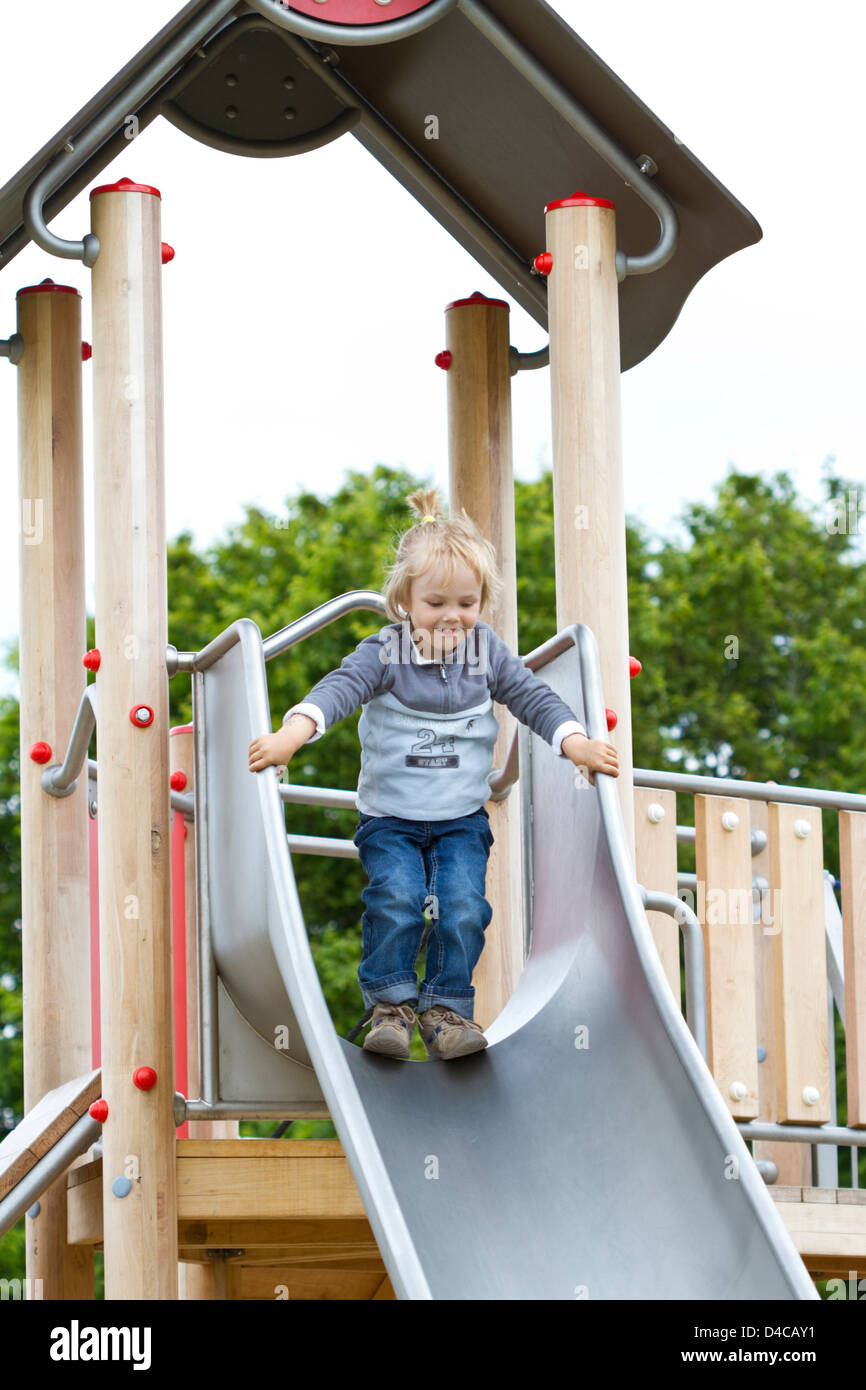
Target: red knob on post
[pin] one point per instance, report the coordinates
(634, 666)
(177, 781)
(141, 716)
(543, 263)
(99, 1111)
(612, 720)
(41, 752)
(92, 659)
(144, 1078)
(86, 352)
(167, 253)
(443, 360)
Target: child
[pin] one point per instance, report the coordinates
(427, 683)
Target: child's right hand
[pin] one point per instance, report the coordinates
(270, 750)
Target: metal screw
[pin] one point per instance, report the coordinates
(231, 79)
(231, 112)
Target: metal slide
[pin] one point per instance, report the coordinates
(587, 1153)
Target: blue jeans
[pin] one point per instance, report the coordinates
(411, 864)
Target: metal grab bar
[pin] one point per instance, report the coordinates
(749, 791)
(60, 779)
(693, 951)
(105, 125)
(580, 121)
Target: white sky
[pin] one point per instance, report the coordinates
(306, 301)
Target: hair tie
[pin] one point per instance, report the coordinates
(427, 518)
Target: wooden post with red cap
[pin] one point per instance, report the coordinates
(54, 849)
(588, 500)
(482, 480)
(140, 1215)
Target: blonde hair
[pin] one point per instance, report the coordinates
(433, 540)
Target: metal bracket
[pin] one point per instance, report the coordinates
(13, 348)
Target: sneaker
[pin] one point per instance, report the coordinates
(447, 1034)
(391, 1029)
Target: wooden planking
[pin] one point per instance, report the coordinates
(800, 964)
(830, 1236)
(588, 493)
(852, 868)
(53, 1116)
(724, 907)
(793, 1161)
(305, 1285)
(479, 428)
(656, 868)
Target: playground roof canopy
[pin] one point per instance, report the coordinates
(485, 110)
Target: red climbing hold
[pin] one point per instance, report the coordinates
(41, 752)
(167, 253)
(543, 263)
(92, 659)
(443, 360)
(99, 1111)
(177, 781)
(144, 1078)
(634, 666)
(612, 720)
(86, 352)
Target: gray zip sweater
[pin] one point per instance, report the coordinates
(428, 729)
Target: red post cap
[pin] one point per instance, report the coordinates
(99, 1111)
(167, 253)
(177, 781)
(543, 263)
(612, 720)
(48, 287)
(634, 666)
(41, 752)
(125, 186)
(92, 659)
(443, 360)
(144, 1078)
(474, 300)
(579, 200)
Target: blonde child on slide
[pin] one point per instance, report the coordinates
(427, 683)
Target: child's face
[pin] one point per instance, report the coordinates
(441, 613)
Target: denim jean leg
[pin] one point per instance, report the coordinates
(390, 850)
(457, 872)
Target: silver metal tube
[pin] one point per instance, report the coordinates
(105, 125)
(208, 1033)
(319, 796)
(686, 836)
(749, 791)
(693, 951)
(589, 130)
(252, 1110)
(365, 35)
(322, 844)
(801, 1134)
(58, 1158)
(528, 361)
(321, 617)
(60, 778)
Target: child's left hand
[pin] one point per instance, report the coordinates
(591, 755)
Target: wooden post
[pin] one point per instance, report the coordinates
(588, 504)
(723, 859)
(481, 479)
(205, 1280)
(134, 800)
(54, 850)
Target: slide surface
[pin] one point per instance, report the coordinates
(587, 1153)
